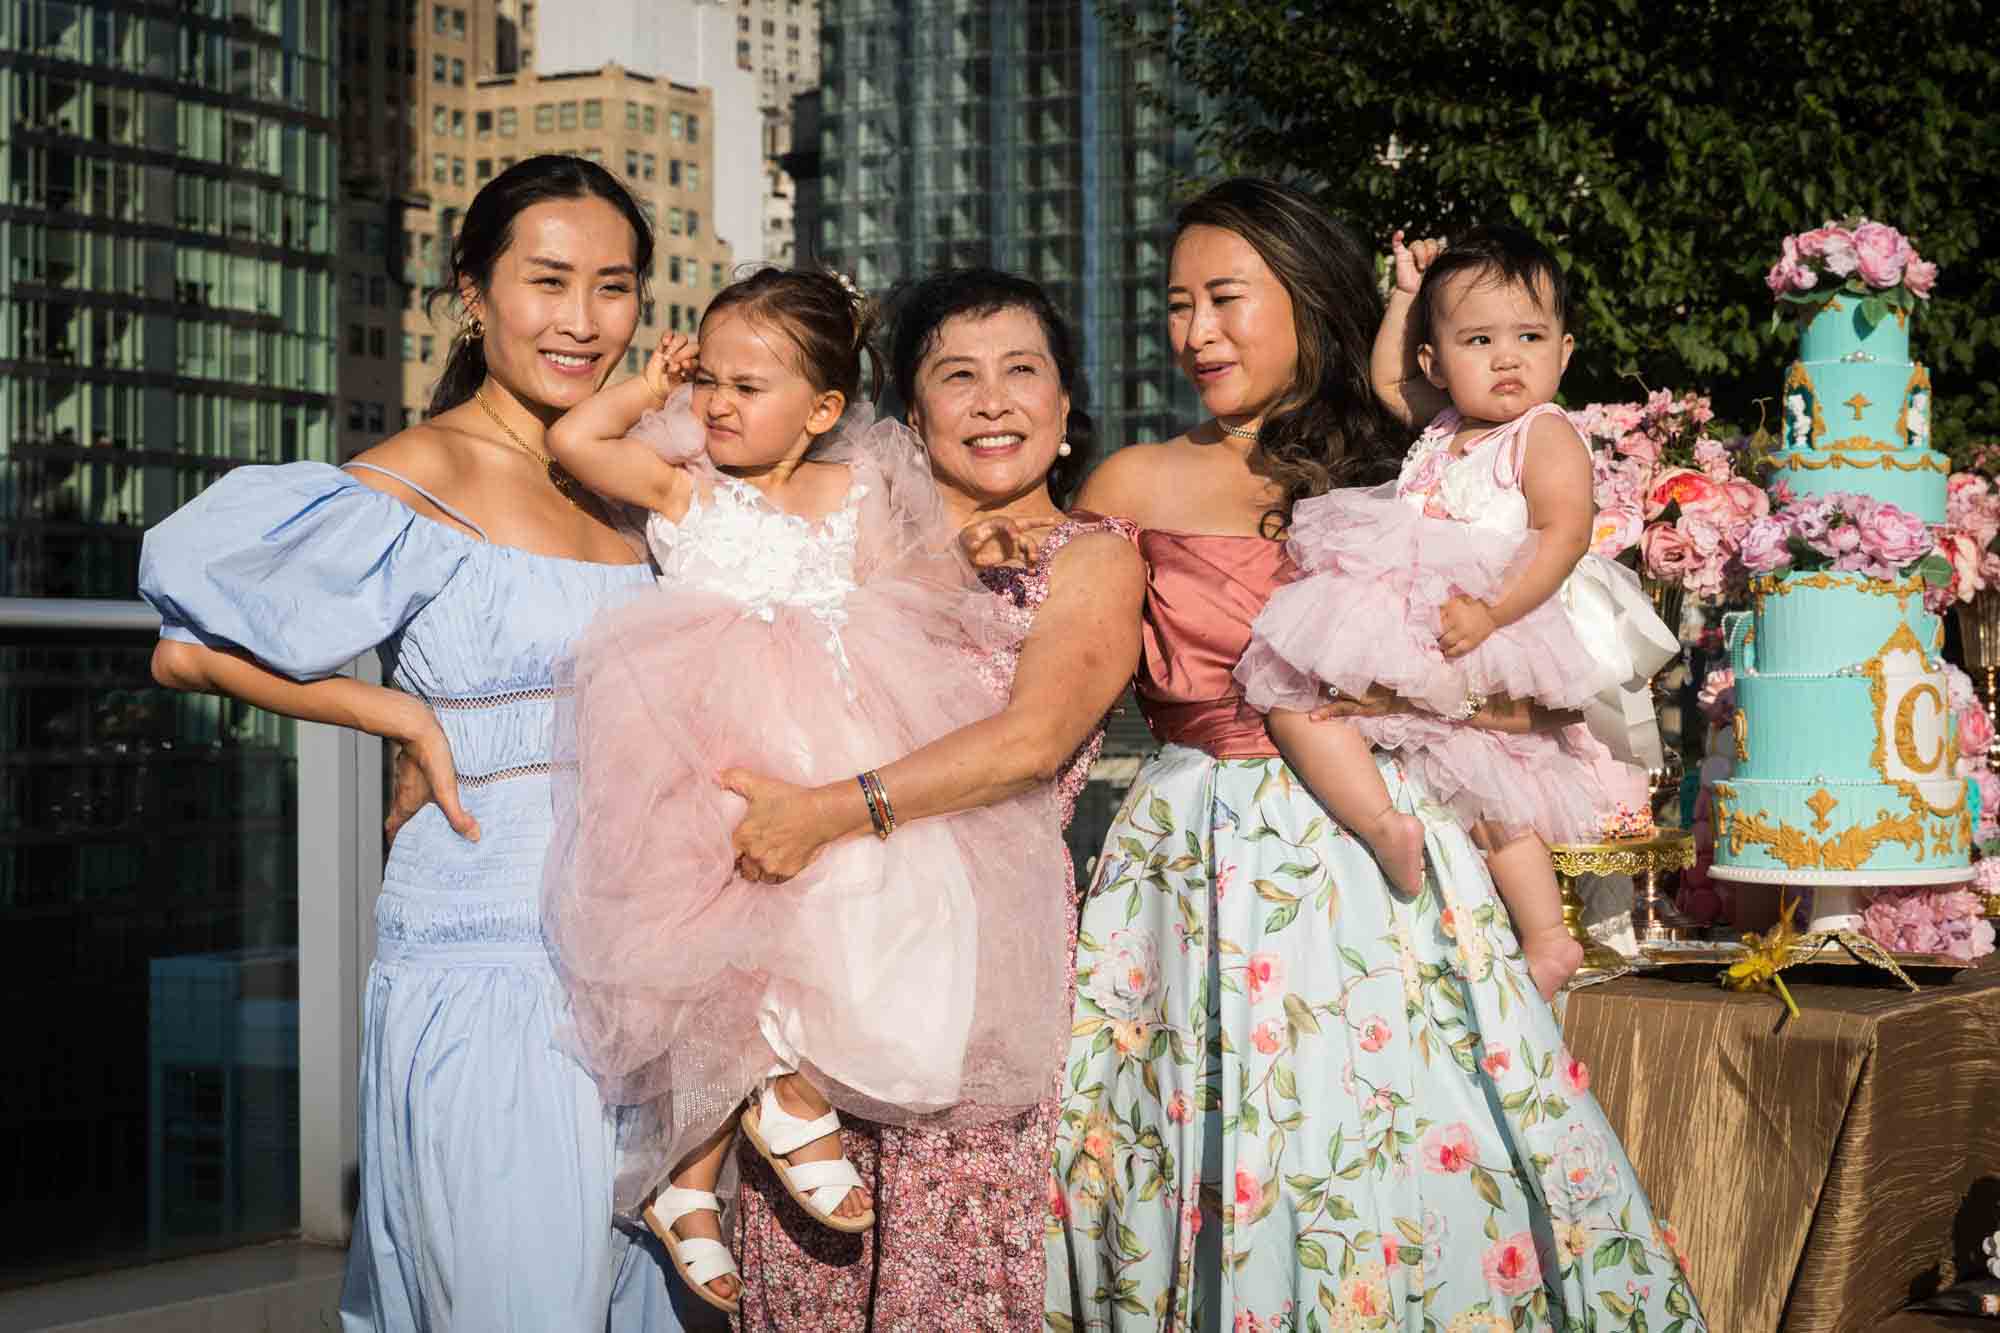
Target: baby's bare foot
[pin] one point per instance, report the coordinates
(1397, 840)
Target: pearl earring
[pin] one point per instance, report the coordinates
(1063, 450)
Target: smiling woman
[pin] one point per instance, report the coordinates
(470, 561)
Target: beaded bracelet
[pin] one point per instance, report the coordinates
(1465, 711)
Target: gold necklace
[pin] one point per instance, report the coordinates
(1239, 432)
(566, 486)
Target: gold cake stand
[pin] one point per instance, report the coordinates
(1655, 920)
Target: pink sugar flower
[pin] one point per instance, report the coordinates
(1919, 275)
(1880, 253)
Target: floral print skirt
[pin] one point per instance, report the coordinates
(1296, 1102)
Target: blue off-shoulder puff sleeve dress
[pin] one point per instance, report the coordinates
(486, 1156)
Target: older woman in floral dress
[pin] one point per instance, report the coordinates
(989, 370)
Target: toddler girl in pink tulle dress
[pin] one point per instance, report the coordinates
(1468, 578)
(813, 618)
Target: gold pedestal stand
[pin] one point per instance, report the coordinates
(1655, 920)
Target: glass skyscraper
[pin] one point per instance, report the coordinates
(1015, 134)
(166, 236)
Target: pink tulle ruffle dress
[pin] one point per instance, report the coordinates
(917, 979)
(1376, 569)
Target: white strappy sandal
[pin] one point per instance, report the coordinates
(817, 1187)
(697, 1259)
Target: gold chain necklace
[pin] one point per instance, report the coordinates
(566, 486)
(1239, 432)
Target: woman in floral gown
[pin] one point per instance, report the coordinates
(1295, 1100)
(989, 369)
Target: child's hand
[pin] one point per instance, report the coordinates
(1466, 623)
(671, 364)
(1412, 260)
(988, 542)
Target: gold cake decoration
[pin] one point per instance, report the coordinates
(1857, 402)
(1821, 804)
(1929, 462)
(1740, 724)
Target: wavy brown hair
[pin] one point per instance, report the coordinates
(831, 324)
(1328, 428)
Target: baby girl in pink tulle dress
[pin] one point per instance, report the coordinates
(1468, 579)
(813, 618)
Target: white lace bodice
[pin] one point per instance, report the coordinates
(736, 543)
(1481, 486)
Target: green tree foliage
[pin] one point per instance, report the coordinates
(1662, 147)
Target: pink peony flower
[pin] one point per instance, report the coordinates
(1895, 536)
(1616, 530)
(1712, 457)
(1375, 1034)
(1975, 732)
(1575, 1074)
(1880, 253)
(1943, 920)
(1919, 275)
(1667, 553)
(1717, 696)
(1833, 246)
(1766, 546)
(1510, 1264)
(1262, 973)
(1678, 485)
(1639, 446)
(1747, 500)
(1448, 1149)
(1268, 1036)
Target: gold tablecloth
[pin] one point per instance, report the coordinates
(1814, 1171)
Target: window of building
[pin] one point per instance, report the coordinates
(631, 164)
(439, 166)
(594, 155)
(694, 176)
(506, 162)
(791, 32)
(458, 171)
(675, 129)
(427, 346)
(650, 116)
(673, 268)
(458, 23)
(527, 18)
(440, 17)
(378, 291)
(694, 129)
(482, 169)
(743, 23)
(674, 314)
(509, 121)
(482, 124)
(674, 221)
(357, 233)
(424, 247)
(357, 414)
(458, 124)
(770, 28)
(566, 116)
(458, 73)
(715, 275)
(438, 67)
(631, 115)
(673, 171)
(646, 312)
(375, 417)
(545, 117)
(440, 119)
(694, 223)
(693, 274)
(649, 166)
(743, 54)
(631, 360)
(409, 347)
(357, 340)
(378, 342)
(357, 288)
(593, 114)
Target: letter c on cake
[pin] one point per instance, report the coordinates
(1906, 729)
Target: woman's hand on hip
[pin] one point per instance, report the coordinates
(783, 829)
(424, 773)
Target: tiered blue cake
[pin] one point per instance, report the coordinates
(1845, 746)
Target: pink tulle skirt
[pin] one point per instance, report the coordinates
(914, 980)
(1365, 612)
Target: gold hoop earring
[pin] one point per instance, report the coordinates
(471, 330)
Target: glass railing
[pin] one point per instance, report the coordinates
(149, 957)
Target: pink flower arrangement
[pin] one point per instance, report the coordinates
(1868, 259)
(1674, 495)
(1842, 531)
(1967, 540)
(1929, 920)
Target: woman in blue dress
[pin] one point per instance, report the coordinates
(470, 560)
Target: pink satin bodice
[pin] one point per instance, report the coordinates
(1202, 592)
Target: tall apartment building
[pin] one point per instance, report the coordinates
(1013, 133)
(778, 42)
(168, 228)
(442, 97)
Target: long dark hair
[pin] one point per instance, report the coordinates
(831, 323)
(926, 304)
(488, 230)
(1328, 428)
